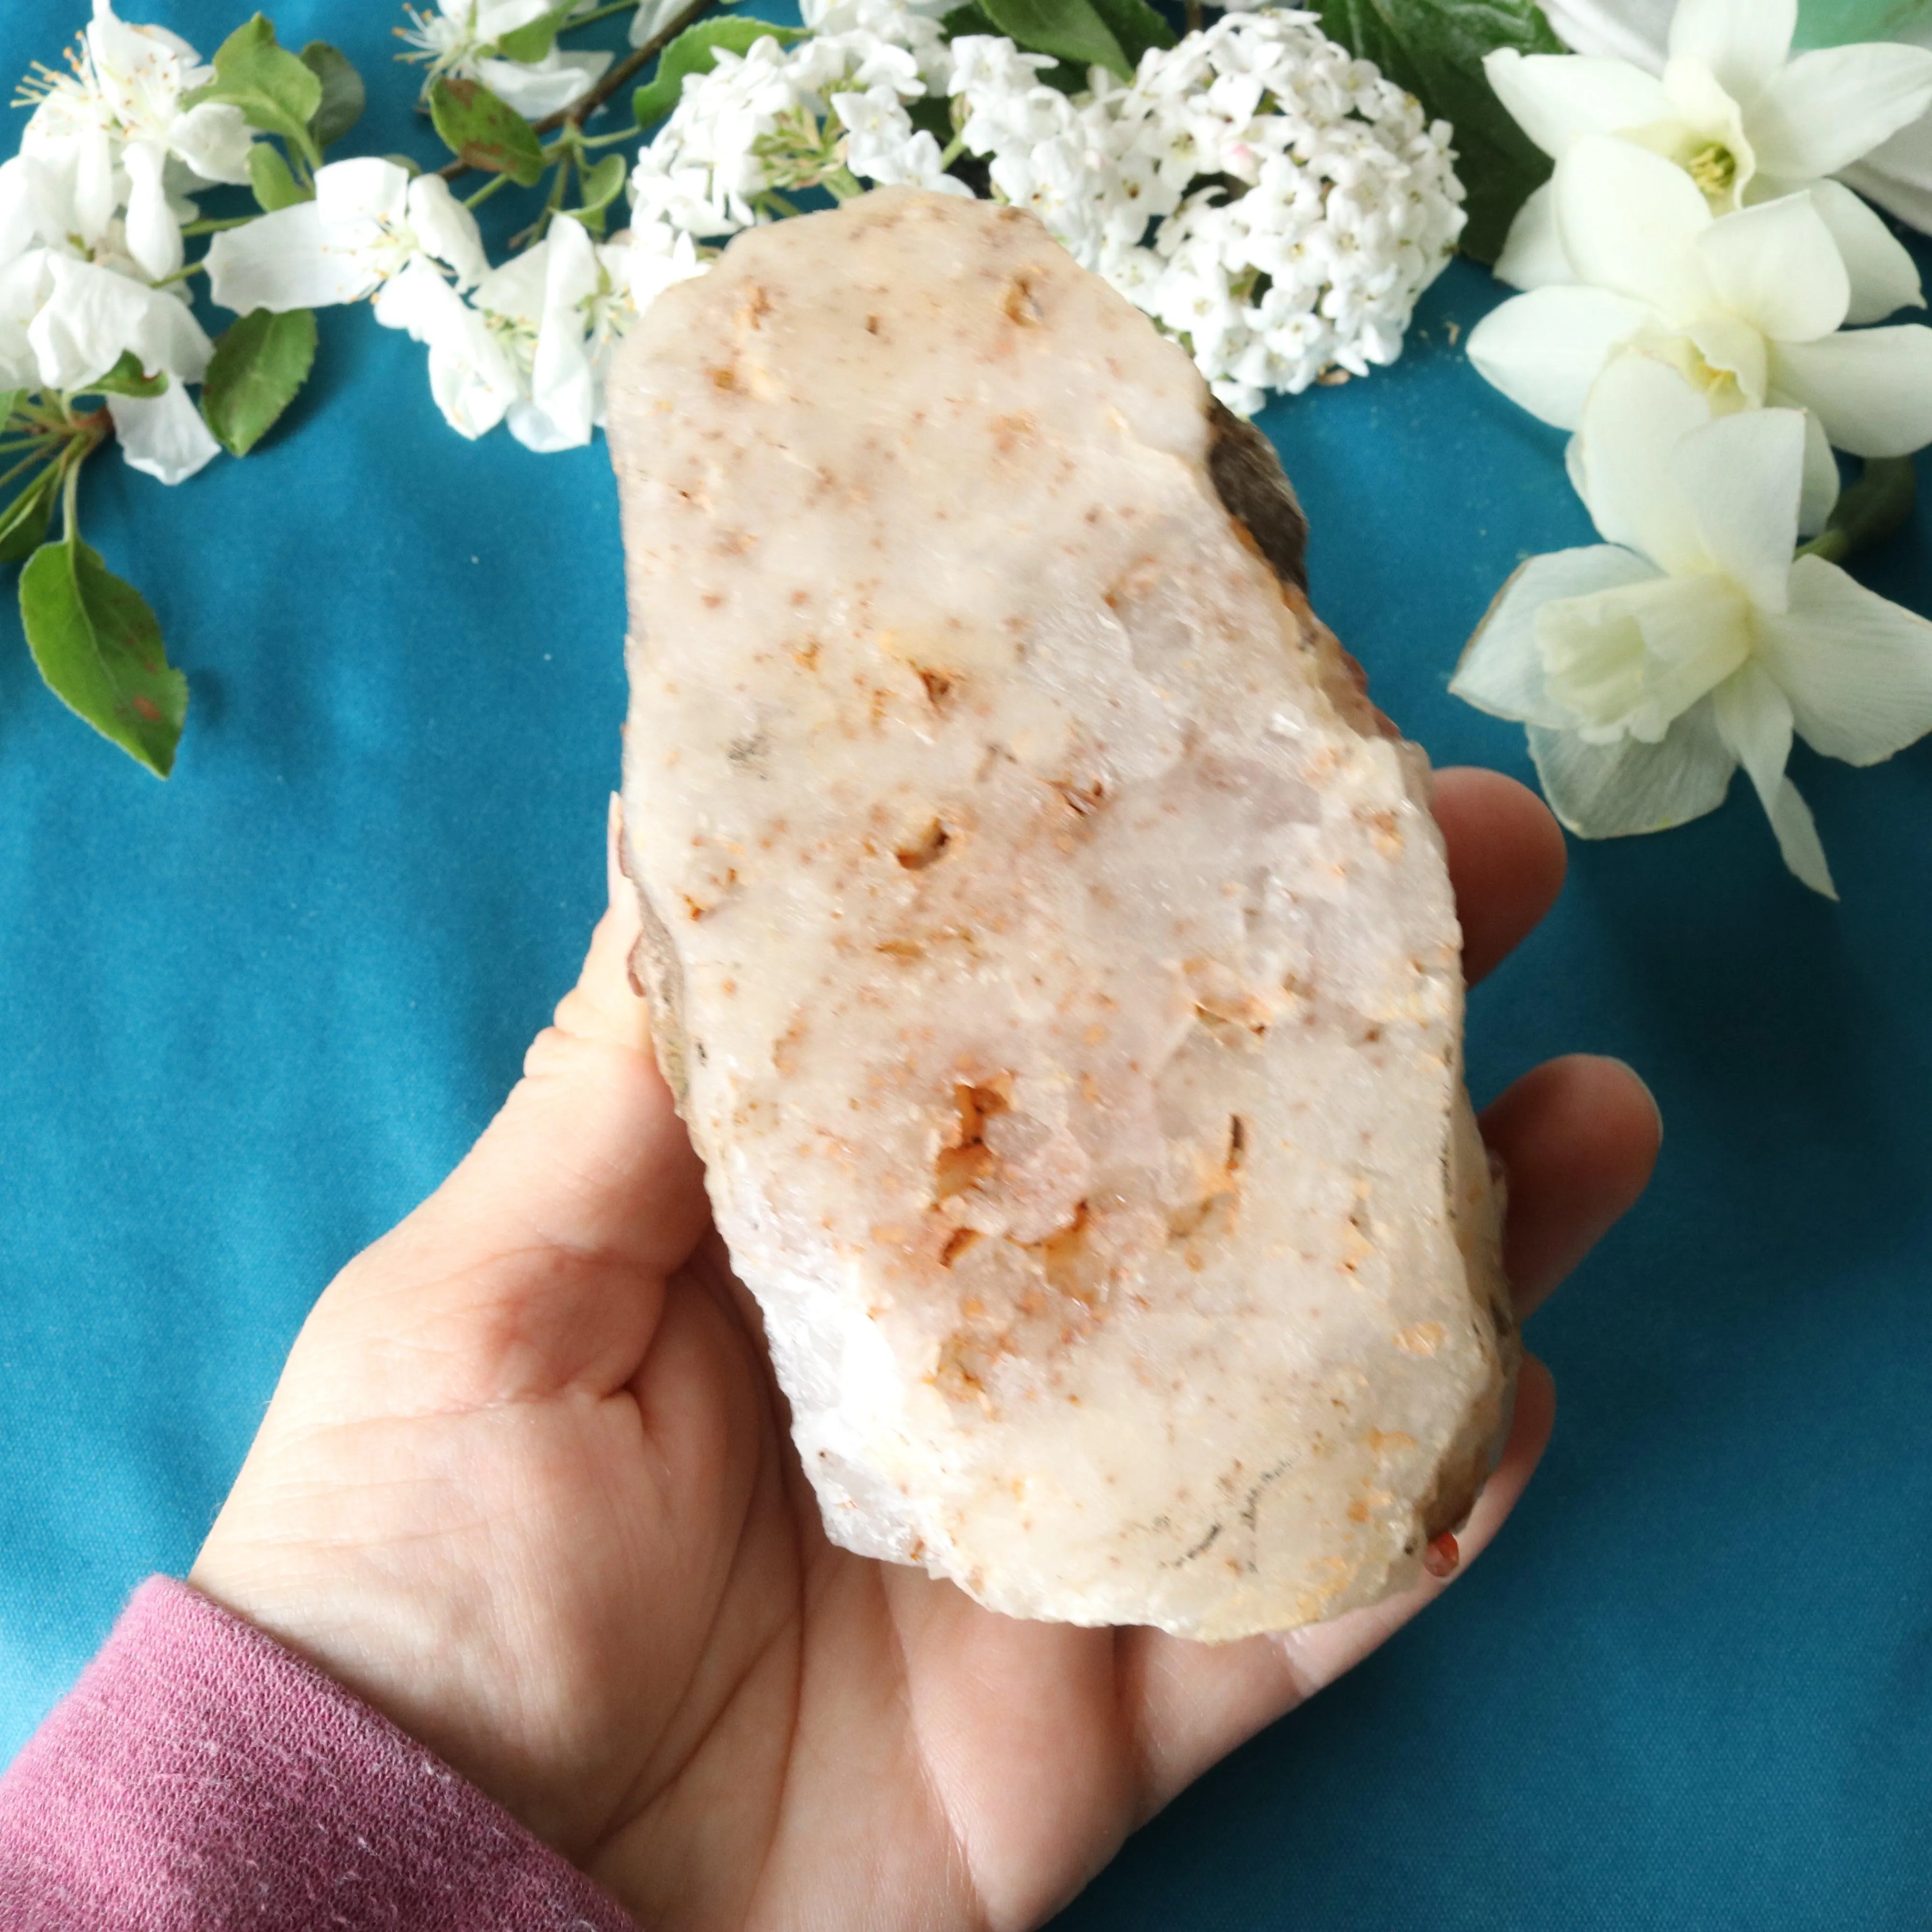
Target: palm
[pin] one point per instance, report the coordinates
(526, 1486)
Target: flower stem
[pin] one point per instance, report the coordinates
(212, 227)
(619, 76)
(70, 494)
(1870, 510)
(484, 193)
(602, 13)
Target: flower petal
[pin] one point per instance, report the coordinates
(1871, 387)
(1544, 350)
(1501, 668)
(1630, 220)
(538, 88)
(1754, 720)
(1611, 791)
(563, 407)
(1830, 108)
(1778, 267)
(1533, 256)
(1639, 409)
(1630, 30)
(154, 235)
(1884, 278)
(1898, 176)
(92, 315)
(366, 189)
(287, 260)
(1742, 477)
(1857, 670)
(1823, 483)
(1743, 43)
(213, 140)
(162, 437)
(1557, 98)
(447, 228)
(18, 225)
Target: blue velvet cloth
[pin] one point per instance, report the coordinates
(249, 1018)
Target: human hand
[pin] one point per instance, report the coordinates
(526, 1486)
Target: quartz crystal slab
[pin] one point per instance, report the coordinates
(1054, 959)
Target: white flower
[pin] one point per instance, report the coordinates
(126, 85)
(1897, 174)
(541, 301)
(1649, 668)
(368, 222)
(1343, 206)
(1755, 301)
(461, 39)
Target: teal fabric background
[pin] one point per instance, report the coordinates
(249, 1018)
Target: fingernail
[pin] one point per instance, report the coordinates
(1644, 1087)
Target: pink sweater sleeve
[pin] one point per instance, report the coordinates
(200, 1778)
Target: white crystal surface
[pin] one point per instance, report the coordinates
(1057, 966)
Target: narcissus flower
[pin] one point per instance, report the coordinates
(1647, 668)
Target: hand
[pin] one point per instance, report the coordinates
(526, 1486)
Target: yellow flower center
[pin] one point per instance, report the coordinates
(1714, 169)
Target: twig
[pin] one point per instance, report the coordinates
(626, 70)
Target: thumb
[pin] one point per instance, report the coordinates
(541, 1261)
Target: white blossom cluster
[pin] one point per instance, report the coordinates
(778, 118)
(1270, 200)
(461, 38)
(91, 210)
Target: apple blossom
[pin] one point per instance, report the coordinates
(461, 38)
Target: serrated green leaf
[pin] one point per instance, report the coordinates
(258, 368)
(1136, 25)
(23, 523)
(269, 174)
(695, 51)
(533, 41)
(128, 378)
(275, 92)
(484, 132)
(1434, 48)
(1070, 30)
(343, 96)
(99, 647)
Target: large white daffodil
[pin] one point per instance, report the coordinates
(1745, 120)
(1895, 172)
(1649, 667)
(1751, 303)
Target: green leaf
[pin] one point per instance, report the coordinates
(257, 370)
(966, 20)
(1838, 23)
(23, 523)
(1136, 25)
(126, 378)
(601, 186)
(695, 51)
(274, 186)
(532, 42)
(483, 132)
(99, 647)
(1435, 49)
(1070, 30)
(343, 96)
(276, 92)
(10, 401)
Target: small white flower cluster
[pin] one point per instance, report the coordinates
(461, 37)
(1270, 201)
(91, 210)
(777, 119)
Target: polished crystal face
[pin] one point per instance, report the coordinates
(1055, 960)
